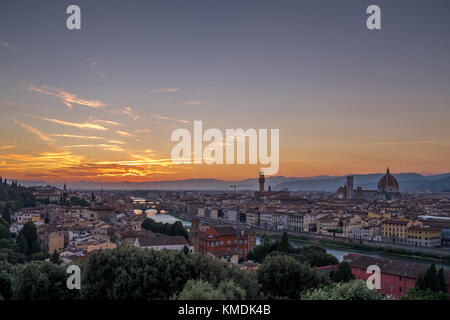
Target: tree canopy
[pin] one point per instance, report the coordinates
(352, 290)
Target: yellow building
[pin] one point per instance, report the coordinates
(395, 230)
(55, 241)
(424, 236)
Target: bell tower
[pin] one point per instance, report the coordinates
(262, 180)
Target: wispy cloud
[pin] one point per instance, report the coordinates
(124, 134)
(33, 130)
(106, 147)
(196, 102)
(165, 90)
(128, 111)
(93, 66)
(158, 116)
(105, 122)
(6, 147)
(77, 136)
(406, 142)
(6, 45)
(82, 125)
(116, 141)
(66, 97)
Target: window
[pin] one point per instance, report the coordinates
(400, 289)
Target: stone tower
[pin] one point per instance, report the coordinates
(262, 180)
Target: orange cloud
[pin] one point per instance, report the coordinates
(34, 130)
(83, 125)
(66, 97)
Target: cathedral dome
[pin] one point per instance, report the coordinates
(388, 183)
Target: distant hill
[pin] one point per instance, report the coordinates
(407, 181)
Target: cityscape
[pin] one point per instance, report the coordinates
(335, 236)
(224, 158)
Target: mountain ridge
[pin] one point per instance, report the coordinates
(407, 181)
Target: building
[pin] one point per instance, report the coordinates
(252, 217)
(265, 221)
(387, 189)
(327, 225)
(396, 276)
(48, 193)
(163, 242)
(225, 255)
(442, 223)
(262, 180)
(395, 230)
(55, 241)
(222, 238)
(423, 236)
(295, 222)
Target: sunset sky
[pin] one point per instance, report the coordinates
(100, 104)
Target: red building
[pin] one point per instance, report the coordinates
(226, 238)
(396, 276)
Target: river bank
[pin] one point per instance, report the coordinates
(341, 248)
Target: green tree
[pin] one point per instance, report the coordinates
(352, 290)
(29, 233)
(42, 281)
(5, 285)
(199, 290)
(4, 223)
(6, 215)
(231, 291)
(283, 245)
(441, 280)
(135, 274)
(418, 294)
(55, 258)
(282, 276)
(5, 233)
(430, 279)
(343, 273)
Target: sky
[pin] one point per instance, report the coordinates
(101, 103)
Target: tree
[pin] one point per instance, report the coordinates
(6, 215)
(430, 279)
(199, 290)
(29, 233)
(418, 294)
(231, 291)
(42, 281)
(185, 250)
(283, 245)
(4, 223)
(5, 285)
(441, 280)
(343, 273)
(55, 258)
(135, 274)
(353, 290)
(5, 233)
(202, 290)
(282, 276)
